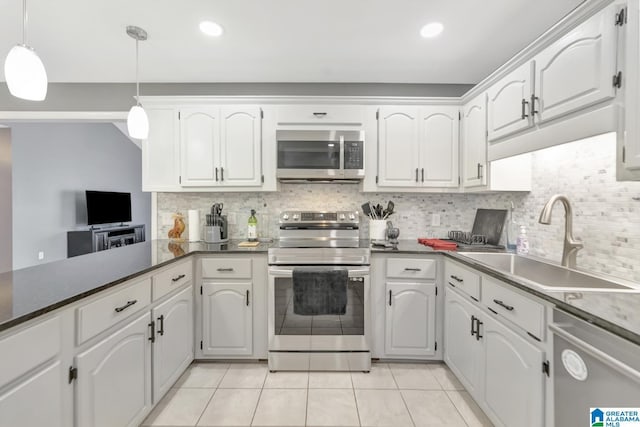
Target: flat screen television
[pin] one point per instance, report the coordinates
(105, 207)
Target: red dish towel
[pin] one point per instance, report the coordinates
(438, 244)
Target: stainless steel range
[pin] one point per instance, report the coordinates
(319, 293)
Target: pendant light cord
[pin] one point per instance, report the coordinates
(137, 76)
(24, 22)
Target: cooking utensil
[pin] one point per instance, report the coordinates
(387, 212)
(373, 212)
(366, 209)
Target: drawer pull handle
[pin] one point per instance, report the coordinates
(247, 297)
(473, 321)
(389, 298)
(457, 279)
(502, 304)
(451, 284)
(127, 305)
(161, 328)
(226, 269)
(478, 324)
(319, 114)
(412, 269)
(175, 279)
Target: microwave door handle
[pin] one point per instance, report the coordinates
(341, 154)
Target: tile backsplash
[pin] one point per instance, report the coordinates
(606, 212)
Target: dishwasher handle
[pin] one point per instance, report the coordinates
(603, 357)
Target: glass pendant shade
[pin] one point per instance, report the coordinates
(25, 74)
(138, 123)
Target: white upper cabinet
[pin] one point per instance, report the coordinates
(240, 147)
(199, 146)
(509, 103)
(418, 146)
(160, 152)
(439, 127)
(474, 142)
(577, 70)
(629, 141)
(398, 152)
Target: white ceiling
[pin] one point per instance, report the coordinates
(371, 41)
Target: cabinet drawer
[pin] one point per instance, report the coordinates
(22, 351)
(523, 311)
(465, 280)
(406, 268)
(173, 278)
(320, 114)
(228, 268)
(104, 312)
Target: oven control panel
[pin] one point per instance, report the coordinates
(315, 217)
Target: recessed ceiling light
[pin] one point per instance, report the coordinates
(432, 29)
(211, 28)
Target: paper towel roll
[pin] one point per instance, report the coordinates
(194, 225)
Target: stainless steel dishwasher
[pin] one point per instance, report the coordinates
(593, 369)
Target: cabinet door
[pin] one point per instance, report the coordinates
(200, 146)
(227, 314)
(240, 146)
(398, 147)
(509, 103)
(410, 328)
(36, 400)
(514, 381)
(474, 142)
(631, 138)
(114, 378)
(439, 146)
(161, 151)
(173, 349)
(577, 70)
(462, 352)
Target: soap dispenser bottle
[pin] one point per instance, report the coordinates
(252, 229)
(523, 241)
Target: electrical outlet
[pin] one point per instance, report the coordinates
(231, 218)
(435, 220)
(166, 218)
(40, 255)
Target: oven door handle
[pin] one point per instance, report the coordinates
(288, 272)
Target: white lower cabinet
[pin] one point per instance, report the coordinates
(513, 383)
(227, 316)
(173, 347)
(501, 370)
(114, 378)
(409, 326)
(462, 350)
(36, 400)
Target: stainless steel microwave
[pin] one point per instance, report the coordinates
(320, 154)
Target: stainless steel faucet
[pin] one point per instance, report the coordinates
(571, 245)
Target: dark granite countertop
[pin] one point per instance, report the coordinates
(33, 291)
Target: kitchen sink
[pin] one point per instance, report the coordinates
(546, 276)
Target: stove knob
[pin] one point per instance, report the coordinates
(296, 217)
(352, 217)
(285, 216)
(342, 217)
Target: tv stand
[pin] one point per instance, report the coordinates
(95, 239)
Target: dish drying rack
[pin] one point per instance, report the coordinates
(467, 237)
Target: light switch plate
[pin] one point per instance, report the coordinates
(435, 220)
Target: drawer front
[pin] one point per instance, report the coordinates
(23, 351)
(465, 280)
(104, 312)
(407, 268)
(228, 268)
(171, 279)
(519, 309)
(320, 114)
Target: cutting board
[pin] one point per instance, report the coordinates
(489, 222)
(248, 244)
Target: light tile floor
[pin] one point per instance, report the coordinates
(247, 394)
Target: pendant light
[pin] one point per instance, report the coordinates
(23, 69)
(137, 120)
